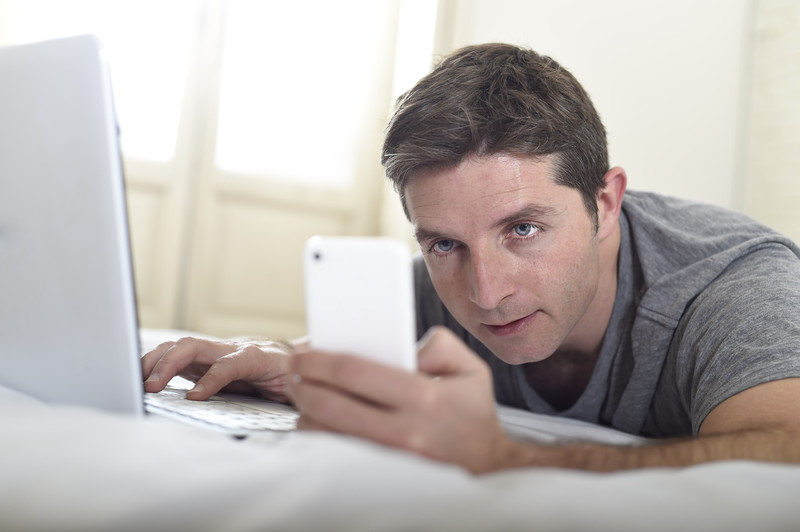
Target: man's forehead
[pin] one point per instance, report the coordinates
(481, 182)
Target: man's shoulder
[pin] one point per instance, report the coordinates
(695, 267)
(676, 237)
(651, 208)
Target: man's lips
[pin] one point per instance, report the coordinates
(511, 327)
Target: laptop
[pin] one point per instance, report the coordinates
(68, 318)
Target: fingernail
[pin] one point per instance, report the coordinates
(197, 388)
(152, 378)
(296, 378)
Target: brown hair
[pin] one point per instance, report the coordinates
(497, 98)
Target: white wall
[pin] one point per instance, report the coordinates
(667, 78)
(772, 185)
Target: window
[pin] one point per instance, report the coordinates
(294, 81)
(148, 42)
(247, 126)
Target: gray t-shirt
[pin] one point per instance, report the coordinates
(707, 305)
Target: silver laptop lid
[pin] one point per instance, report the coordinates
(68, 324)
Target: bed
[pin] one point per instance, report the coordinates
(66, 468)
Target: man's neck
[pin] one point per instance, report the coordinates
(561, 378)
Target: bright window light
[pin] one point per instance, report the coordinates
(298, 82)
(416, 29)
(148, 45)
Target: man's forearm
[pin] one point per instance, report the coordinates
(762, 445)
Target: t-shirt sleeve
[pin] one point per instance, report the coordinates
(742, 331)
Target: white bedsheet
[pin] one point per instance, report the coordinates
(66, 468)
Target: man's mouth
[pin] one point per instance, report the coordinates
(511, 327)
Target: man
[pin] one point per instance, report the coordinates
(652, 315)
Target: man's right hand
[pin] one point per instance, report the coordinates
(252, 367)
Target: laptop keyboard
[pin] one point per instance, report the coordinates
(229, 415)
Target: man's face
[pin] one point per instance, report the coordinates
(513, 256)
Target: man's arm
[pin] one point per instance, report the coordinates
(451, 417)
(762, 423)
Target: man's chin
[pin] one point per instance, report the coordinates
(516, 355)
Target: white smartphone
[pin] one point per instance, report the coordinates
(360, 298)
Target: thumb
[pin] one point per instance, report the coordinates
(442, 353)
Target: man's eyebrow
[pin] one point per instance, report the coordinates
(421, 234)
(528, 212)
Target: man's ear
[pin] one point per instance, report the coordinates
(609, 201)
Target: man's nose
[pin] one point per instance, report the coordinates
(490, 283)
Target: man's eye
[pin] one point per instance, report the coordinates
(524, 229)
(443, 246)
